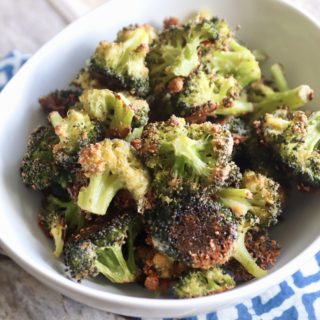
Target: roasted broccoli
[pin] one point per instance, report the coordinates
(84, 80)
(120, 112)
(206, 94)
(259, 195)
(180, 154)
(199, 283)
(75, 131)
(60, 101)
(111, 165)
(264, 249)
(202, 233)
(293, 99)
(38, 169)
(175, 54)
(232, 59)
(121, 64)
(107, 249)
(294, 138)
(59, 217)
(196, 231)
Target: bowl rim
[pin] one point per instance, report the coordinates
(61, 283)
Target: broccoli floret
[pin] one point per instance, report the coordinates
(233, 59)
(121, 64)
(120, 112)
(107, 249)
(259, 195)
(293, 99)
(60, 101)
(180, 154)
(176, 52)
(194, 230)
(38, 170)
(111, 165)
(74, 131)
(203, 283)
(206, 94)
(294, 138)
(84, 80)
(59, 217)
(202, 233)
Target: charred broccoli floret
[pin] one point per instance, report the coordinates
(111, 165)
(196, 231)
(121, 64)
(201, 283)
(107, 249)
(259, 195)
(38, 170)
(202, 233)
(74, 131)
(294, 138)
(120, 112)
(59, 217)
(60, 101)
(180, 154)
(264, 249)
(208, 94)
(175, 54)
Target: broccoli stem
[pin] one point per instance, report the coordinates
(242, 255)
(96, 197)
(239, 108)
(294, 99)
(279, 77)
(57, 232)
(112, 265)
(236, 199)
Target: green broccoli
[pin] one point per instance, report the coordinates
(294, 138)
(201, 233)
(38, 170)
(103, 249)
(206, 94)
(58, 218)
(175, 54)
(199, 283)
(293, 99)
(111, 165)
(120, 112)
(179, 154)
(74, 131)
(233, 59)
(258, 195)
(121, 64)
(279, 78)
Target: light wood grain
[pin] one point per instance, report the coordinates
(27, 24)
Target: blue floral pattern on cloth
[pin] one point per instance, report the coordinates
(298, 297)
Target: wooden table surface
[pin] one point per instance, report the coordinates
(26, 25)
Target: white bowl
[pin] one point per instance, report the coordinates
(288, 35)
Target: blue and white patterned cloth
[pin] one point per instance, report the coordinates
(298, 297)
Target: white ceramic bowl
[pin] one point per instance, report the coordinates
(285, 33)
